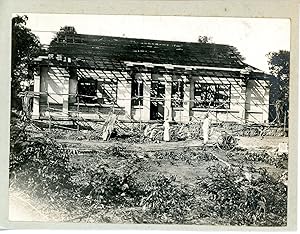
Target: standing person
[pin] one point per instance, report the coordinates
(167, 130)
(205, 128)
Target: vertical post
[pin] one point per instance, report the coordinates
(187, 97)
(242, 100)
(49, 112)
(65, 94)
(139, 100)
(77, 114)
(266, 100)
(284, 123)
(146, 100)
(36, 97)
(168, 113)
(124, 93)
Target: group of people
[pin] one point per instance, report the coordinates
(205, 128)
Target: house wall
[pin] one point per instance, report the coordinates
(257, 101)
(54, 91)
(249, 101)
(237, 101)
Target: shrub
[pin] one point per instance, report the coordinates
(240, 200)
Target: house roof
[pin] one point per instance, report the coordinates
(123, 54)
(104, 50)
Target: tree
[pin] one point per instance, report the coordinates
(60, 35)
(25, 47)
(279, 65)
(204, 39)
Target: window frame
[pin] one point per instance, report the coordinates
(137, 92)
(98, 86)
(212, 89)
(177, 102)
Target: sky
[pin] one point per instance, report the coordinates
(253, 37)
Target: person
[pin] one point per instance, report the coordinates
(167, 130)
(205, 128)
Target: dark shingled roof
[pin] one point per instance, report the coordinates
(104, 52)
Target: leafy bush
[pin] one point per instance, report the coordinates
(39, 163)
(232, 195)
(112, 189)
(239, 199)
(165, 201)
(279, 161)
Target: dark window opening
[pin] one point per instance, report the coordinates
(212, 95)
(87, 91)
(177, 93)
(93, 91)
(137, 92)
(157, 104)
(157, 90)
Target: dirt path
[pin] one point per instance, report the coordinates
(244, 142)
(258, 143)
(135, 147)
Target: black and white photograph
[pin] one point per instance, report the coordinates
(136, 119)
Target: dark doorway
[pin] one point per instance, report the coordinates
(157, 100)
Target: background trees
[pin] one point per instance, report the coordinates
(25, 46)
(279, 65)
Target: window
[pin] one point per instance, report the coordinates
(157, 90)
(177, 93)
(137, 92)
(87, 90)
(93, 91)
(107, 91)
(212, 95)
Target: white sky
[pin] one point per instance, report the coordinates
(253, 37)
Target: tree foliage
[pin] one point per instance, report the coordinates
(205, 39)
(61, 33)
(25, 46)
(279, 65)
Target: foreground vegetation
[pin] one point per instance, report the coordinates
(118, 185)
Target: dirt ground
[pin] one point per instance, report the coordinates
(269, 142)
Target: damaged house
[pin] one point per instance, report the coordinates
(89, 76)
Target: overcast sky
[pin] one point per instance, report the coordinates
(254, 37)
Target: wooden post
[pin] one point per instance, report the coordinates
(124, 93)
(168, 98)
(36, 96)
(187, 97)
(77, 114)
(284, 123)
(140, 118)
(147, 96)
(243, 101)
(65, 94)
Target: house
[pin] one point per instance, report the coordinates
(89, 76)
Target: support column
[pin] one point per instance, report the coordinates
(146, 96)
(124, 93)
(242, 101)
(266, 102)
(65, 95)
(168, 112)
(36, 97)
(187, 97)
